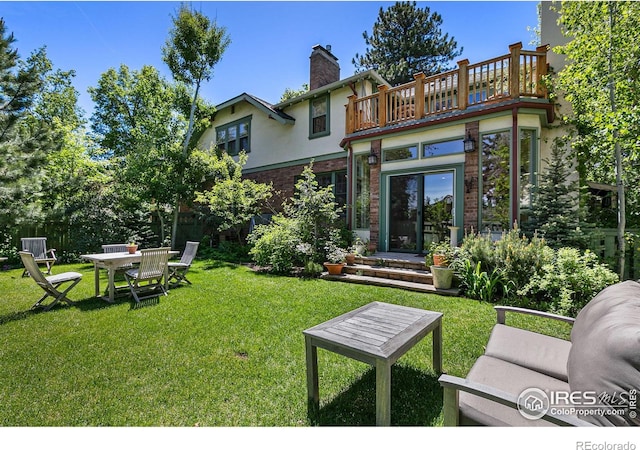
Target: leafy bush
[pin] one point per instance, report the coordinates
(567, 283)
(526, 272)
(277, 245)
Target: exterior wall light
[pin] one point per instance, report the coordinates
(372, 158)
(469, 144)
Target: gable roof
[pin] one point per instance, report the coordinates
(369, 74)
(260, 104)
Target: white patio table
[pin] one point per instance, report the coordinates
(111, 261)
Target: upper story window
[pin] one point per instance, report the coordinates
(319, 117)
(442, 148)
(235, 136)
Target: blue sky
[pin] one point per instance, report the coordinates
(270, 41)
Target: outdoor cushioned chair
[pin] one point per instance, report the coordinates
(37, 246)
(51, 283)
(152, 269)
(178, 270)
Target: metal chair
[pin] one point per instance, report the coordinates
(178, 270)
(152, 269)
(37, 246)
(49, 284)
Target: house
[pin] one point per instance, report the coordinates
(458, 149)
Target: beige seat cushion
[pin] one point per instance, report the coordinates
(534, 351)
(507, 377)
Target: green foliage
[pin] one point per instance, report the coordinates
(293, 93)
(231, 199)
(556, 213)
(407, 40)
(527, 272)
(278, 245)
(308, 230)
(442, 248)
(567, 283)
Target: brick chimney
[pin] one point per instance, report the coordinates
(324, 67)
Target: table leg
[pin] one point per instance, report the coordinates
(383, 393)
(313, 389)
(437, 348)
(112, 283)
(96, 274)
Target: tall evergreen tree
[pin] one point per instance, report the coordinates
(407, 40)
(24, 141)
(556, 213)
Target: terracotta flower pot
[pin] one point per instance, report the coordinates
(334, 268)
(350, 258)
(440, 260)
(132, 248)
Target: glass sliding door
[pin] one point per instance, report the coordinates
(437, 207)
(403, 212)
(420, 210)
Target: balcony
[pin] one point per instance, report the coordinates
(518, 74)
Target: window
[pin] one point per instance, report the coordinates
(362, 198)
(338, 180)
(235, 136)
(319, 117)
(528, 169)
(397, 154)
(495, 206)
(442, 148)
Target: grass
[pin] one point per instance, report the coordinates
(226, 351)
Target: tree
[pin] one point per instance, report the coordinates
(293, 93)
(407, 40)
(232, 200)
(601, 81)
(139, 124)
(194, 47)
(556, 213)
(24, 140)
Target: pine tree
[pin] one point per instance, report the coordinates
(556, 212)
(407, 40)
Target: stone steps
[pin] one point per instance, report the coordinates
(409, 275)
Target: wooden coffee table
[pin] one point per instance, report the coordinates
(377, 334)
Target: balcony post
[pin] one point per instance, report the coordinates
(419, 77)
(382, 105)
(541, 70)
(463, 84)
(351, 116)
(514, 70)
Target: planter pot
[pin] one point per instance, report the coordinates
(334, 268)
(442, 277)
(132, 248)
(439, 260)
(350, 258)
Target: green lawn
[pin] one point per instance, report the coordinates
(226, 351)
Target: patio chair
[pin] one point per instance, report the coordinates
(178, 270)
(152, 269)
(49, 284)
(37, 246)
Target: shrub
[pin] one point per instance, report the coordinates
(566, 284)
(526, 272)
(277, 245)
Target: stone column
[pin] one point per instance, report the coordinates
(374, 199)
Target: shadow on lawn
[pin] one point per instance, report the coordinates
(416, 400)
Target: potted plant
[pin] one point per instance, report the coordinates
(132, 247)
(441, 256)
(335, 259)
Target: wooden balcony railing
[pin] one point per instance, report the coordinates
(514, 75)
